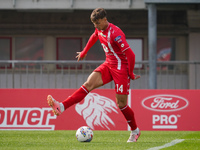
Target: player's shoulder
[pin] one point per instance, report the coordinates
(115, 30)
(114, 27)
(96, 31)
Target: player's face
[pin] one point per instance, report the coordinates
(101, 24)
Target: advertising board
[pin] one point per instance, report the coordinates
(27, 109)
(167, 109)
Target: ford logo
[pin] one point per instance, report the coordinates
(117, 38)
(165, 103)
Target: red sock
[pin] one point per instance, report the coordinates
(129, 115)
(76, 97)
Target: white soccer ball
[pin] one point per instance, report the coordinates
(84, 134)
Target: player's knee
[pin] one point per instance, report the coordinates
(121, 104)
(121, 100)
(89, 86)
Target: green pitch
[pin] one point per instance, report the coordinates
(103, 140)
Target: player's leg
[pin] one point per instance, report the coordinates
(93, 81)
(122, 84)
(129, 116)
(97, 78)
(126, 110)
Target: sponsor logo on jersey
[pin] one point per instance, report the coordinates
(117, 38)
(119, 41)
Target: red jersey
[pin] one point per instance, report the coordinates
(118, 53)
(114, 43)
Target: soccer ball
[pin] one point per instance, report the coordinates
(84, 134)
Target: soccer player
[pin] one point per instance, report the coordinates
(118, 66)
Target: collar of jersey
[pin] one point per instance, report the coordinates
(106, 28)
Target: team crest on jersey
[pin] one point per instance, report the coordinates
(102, 35)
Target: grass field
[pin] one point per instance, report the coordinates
(103, 140)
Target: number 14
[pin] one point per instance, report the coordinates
(119, 88)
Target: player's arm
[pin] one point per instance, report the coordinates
(131, 63)
(121, 42)
(92, 40)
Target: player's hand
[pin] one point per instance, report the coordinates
(79, 56)
(134, 76)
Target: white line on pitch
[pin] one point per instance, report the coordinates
(167, 145)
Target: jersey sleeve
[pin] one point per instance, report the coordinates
(131, 62)
(120, 40)
(92, 40)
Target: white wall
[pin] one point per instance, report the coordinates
(69, 4)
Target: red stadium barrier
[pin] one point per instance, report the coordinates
(167, 109)
(27, 109)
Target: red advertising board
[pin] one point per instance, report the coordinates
(167, 109)
(27, 109)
